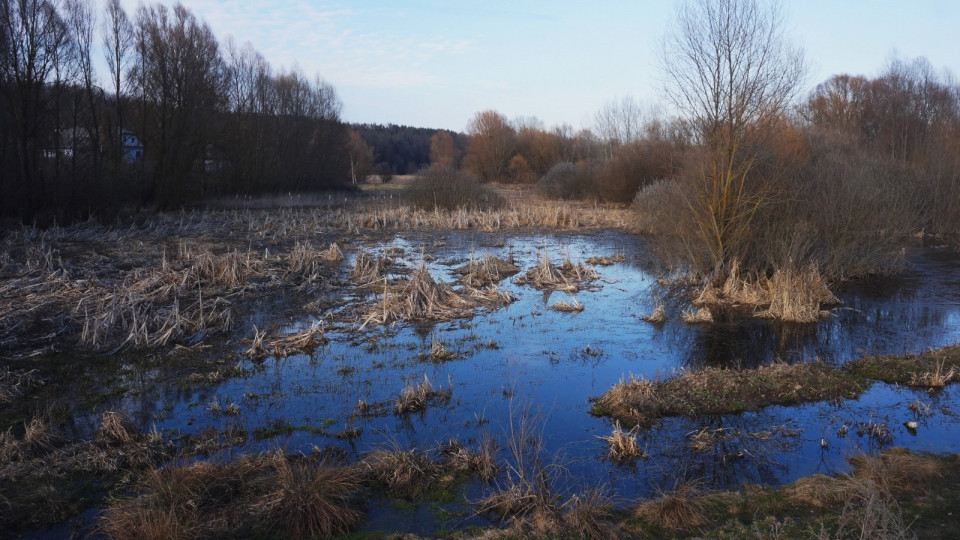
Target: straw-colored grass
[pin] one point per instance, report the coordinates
(416, 398)
(659, 315)
(606, 260)
(271, 495)
(568, 277)
(680, 509)
(791, 295)
(486, 271)
(573, 306)
(419, 298)
(723, 391)
(933, 369)
(700, 316)
(401, 471)
(622, 445)
(300, 342)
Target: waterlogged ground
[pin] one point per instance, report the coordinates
(526, 354)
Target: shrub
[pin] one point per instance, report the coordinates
(633, 166)
(565, 180)
(447, 189)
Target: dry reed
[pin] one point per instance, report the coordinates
(418, 299)
(414, 399)
(300, 342)
(568, 307)
(622, 445)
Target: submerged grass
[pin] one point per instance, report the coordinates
(641, 402)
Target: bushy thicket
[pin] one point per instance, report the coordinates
(448, 189)
(566, 181)
(633, 166)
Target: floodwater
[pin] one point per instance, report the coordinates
(526, 355)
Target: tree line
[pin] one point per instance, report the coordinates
(179, 117)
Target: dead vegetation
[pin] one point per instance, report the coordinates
(403, 472)
(485, 271)
(573, 306)
(14, 383)
(567, 277)
(622, 445)
(933, 369)
(606, 260)
(790, 295)
(415, 399)
(265, 495)
(44, 475)
(300, 342)
(722, 391)
(421, 298)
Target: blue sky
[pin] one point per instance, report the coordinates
(434, 64)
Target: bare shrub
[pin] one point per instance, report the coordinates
(447, 189)
(565, 181)
(633, 166)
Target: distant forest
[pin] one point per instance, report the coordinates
(401, 149)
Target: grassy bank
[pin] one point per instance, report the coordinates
(641, 402)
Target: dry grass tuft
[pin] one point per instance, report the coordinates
(418, 299)
(724, 391)
(897, 470)
(439, 351)
(938, 377)
(700, 316)
(590, 515)
(272, 495)
(791, 295)
(622, 445)
(401, 471)
(481, 462)
(14, 383)
(572, 307)
(606, 261)
(567, 277)
(659, 315)
(117, 429)
(367, 270)
(485, 271)
(414, 399)
(309, 499)
(300, 342)
(678, 510)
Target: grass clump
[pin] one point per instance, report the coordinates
(486, 271)
(418, 299)
(933, 369)
(573, 306)
(622, 445)
(641, 402)
(265, 495)
(300, 342)
(567, 277)
(415, 399)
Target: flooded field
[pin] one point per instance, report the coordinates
(527, 356)
(532, 361)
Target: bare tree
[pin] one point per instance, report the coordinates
(118, 41)
(491, 145)
(731, 73)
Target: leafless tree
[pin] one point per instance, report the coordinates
(731, 73)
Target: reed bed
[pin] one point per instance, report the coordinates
(790, 295)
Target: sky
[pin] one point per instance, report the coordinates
(433, 63)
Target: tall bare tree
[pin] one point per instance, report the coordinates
(731, 73)
(491, 145)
